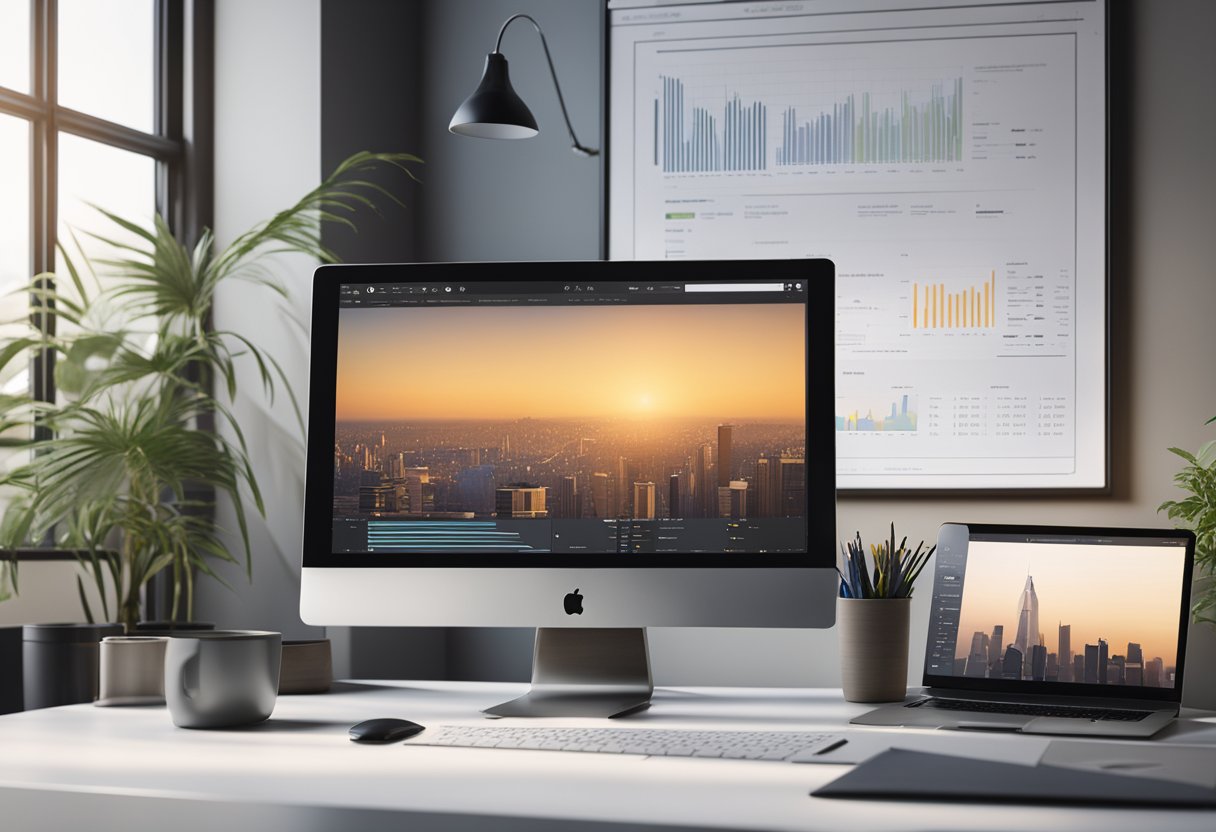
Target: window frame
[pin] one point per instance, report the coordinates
(180, 145)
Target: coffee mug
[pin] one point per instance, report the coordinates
(132, 670)
(222, 678)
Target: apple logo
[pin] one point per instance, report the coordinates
(573, 603)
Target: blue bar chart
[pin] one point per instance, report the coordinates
(856, 131)
(691, 139)
(914, 126)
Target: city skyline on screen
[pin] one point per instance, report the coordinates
(1069, 610)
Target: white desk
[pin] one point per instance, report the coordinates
(123, 769)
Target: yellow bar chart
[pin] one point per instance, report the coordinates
(972, 308)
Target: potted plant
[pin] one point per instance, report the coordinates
(872, 615)
(126, 467)
(1197, 512)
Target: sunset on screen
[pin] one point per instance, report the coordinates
(652, 362)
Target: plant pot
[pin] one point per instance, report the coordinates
(307, 666)
(873, 648)
(132, 671)
(60, 662)
(10, 669)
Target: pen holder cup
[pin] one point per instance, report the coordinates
(873, 648)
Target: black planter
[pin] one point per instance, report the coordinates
(10, 669)
(60, 662)
(171, 628)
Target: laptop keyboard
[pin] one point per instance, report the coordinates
(1023, 709)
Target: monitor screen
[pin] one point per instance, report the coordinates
(498, 441)
(582, 419)
(1025, 610)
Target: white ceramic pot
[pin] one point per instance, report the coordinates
(132, 670)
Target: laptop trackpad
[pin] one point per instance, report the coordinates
(988, 725)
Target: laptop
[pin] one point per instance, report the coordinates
(1053, 630)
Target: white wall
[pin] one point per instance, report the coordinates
(267, 155)
(49, 594)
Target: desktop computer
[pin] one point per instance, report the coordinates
(591, 449)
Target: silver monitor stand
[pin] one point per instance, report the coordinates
(592, 672)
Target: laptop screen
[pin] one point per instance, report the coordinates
(1092, 611)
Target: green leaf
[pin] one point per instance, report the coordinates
(16, 347)
(1206, 454)
(1187, 455)
(84, 601)
(72, 373)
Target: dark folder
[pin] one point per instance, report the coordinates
(899, 774)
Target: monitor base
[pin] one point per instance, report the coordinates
(588, 672)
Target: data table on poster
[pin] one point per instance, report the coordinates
(951, 161)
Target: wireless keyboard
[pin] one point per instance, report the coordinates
(731, 745)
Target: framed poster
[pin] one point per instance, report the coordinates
(950, 158)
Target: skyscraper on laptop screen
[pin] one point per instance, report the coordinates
(1097, 614)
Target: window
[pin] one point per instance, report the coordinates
(100, 103)
(92, 110)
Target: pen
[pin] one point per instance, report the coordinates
(831, 747)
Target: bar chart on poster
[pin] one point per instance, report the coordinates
(951, 161)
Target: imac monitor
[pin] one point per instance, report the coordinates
(592, 449)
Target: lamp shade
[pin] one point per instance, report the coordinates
(494, 111)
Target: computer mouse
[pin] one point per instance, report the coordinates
(385, 729)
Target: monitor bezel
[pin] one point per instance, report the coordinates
(818, 274)
(1056, 690)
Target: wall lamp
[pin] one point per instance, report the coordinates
(495, 111)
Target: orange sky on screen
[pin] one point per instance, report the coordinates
(676, 361)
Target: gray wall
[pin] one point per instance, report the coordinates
(511, 200)
(534, 199)
(267, 155)
(370, 54)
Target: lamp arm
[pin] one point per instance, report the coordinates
(578, 147)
